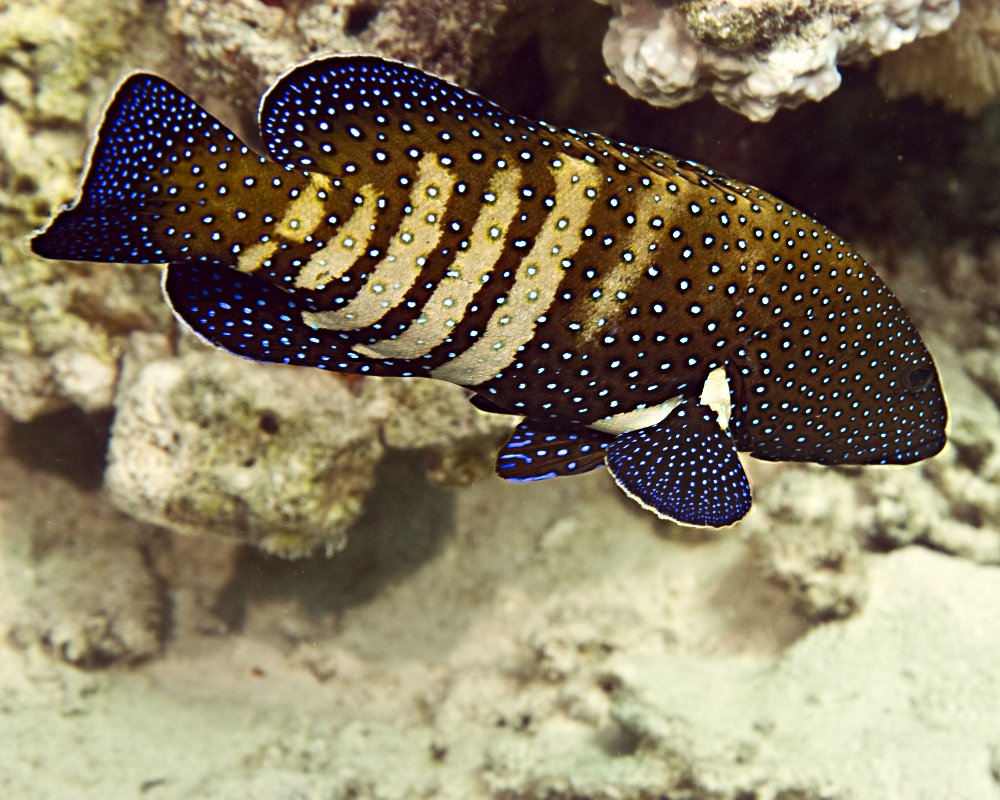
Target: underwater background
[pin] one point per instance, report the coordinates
(234, 580)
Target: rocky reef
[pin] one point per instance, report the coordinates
(524, 642)
(212, 445)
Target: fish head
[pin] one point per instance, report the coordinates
(908, 413)
(847, 382)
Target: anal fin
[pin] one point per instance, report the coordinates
(249, 317)
(684, 468)
(536, 451)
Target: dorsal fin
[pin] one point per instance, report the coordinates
(347, 113)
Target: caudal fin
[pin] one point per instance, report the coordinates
(161, 184)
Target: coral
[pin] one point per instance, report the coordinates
(62, 328)
(238, 48)
(278, 457)
(960, 68)
(756, 57)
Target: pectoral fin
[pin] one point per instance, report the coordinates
(684, 468)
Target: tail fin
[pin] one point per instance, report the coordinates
(158, 183)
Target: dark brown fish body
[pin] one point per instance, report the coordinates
(415, 229)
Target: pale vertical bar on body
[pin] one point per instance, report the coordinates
(399, 269)
(451, 297)
(348, 244)
(536, 281)
(305, 213)
(617, 285)
(302, 217)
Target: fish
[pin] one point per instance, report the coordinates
(633, 309)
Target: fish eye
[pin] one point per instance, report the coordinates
(918, 378)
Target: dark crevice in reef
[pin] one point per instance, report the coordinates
(360, 18)
(71, 444)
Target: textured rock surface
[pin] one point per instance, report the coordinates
(756, 57)
(62, 327)
(278, 457)
(207, 444)
(960, 68)
(238, 48)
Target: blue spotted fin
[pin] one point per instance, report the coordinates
(536, 451)
(684, 468)
(367, 116)
(255, 320)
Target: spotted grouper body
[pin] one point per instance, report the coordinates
(636, 309)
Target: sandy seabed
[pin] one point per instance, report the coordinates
(542, 641)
